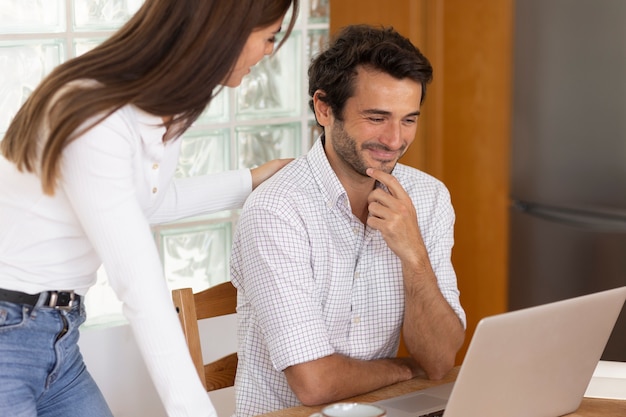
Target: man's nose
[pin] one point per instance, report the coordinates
(392, 136)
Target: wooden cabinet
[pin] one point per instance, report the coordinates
(463, 137)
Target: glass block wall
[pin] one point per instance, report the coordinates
(266, 117)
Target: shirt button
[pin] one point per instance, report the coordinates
(356, 320)
(356, 275)
(154, 190)
(155, 166)
(356, 230)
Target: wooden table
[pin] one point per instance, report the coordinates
(590, 407)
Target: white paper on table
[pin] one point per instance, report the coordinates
(608, 381)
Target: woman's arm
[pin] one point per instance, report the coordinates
(98, 172)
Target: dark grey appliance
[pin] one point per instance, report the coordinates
(568, 175)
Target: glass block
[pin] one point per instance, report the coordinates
(315, 131)
(317, 40)
(32, 16)
(196, 257)
(204, 153)
(259, 144)
(272, 89)
(23, 64)
(319, 11)
(102, 305)
(86, 44)
(103, 14)
(217, 110)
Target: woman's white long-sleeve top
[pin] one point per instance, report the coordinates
(116, 180)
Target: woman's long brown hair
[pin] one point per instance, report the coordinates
(168, 59)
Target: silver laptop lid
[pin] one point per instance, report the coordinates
(535, 362)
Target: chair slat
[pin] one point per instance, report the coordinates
(213, 302)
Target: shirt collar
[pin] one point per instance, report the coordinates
(324, 175)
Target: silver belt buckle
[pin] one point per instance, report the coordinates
(54, 299)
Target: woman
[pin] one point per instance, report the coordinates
(87, 166)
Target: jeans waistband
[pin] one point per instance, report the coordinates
(62, 300)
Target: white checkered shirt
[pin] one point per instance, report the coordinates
(312, 280)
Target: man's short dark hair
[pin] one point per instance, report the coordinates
(334, 70)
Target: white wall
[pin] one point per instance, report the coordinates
(113, 360)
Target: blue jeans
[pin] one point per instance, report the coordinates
(42, 373)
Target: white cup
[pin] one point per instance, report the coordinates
(351, 410)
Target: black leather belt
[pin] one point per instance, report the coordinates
(63, 300)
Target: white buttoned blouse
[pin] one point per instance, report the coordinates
(116, 180)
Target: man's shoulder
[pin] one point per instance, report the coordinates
(293, 179)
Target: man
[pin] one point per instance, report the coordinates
(344, 249)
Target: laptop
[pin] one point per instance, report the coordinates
(534, 362)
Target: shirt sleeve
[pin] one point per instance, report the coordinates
(97, 177)
(274, 272)
(204, 194)
(439, 239)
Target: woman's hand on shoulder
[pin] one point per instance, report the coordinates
(263, 172)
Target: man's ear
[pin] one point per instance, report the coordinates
(323, 112)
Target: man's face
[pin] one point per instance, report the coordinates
(379, 123)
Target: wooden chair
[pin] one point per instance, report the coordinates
(216, 301)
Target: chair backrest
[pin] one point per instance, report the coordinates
(216, 301)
